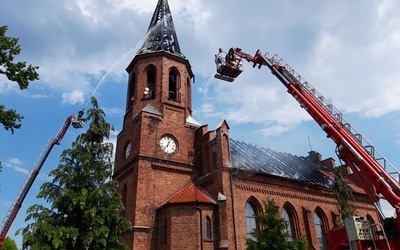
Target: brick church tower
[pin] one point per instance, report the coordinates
(155, 149)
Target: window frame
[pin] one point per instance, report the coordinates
(151, 76)
(319, 227)
(174, 85)
(207, 228)
(288, 223)
(254, 224)
(131, 90)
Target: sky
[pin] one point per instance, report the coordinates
(347, 51)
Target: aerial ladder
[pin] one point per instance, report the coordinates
(368, 165)
(76, 122)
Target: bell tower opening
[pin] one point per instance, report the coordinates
(150, 90)
(173, 85)
(131, 91)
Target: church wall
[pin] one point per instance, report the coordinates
(304, 199)
(151, 176)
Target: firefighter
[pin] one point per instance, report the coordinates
(230, 58)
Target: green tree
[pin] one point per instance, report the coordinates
(344, 196)
(85, 205)
(272, 235)
(18, 72)
(9, 244)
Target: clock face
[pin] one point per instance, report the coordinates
(128, 150)
(168, 144)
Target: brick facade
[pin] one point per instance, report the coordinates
(165, 213)
(241, 187)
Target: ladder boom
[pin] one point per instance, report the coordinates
(27, 184)
(357, 151)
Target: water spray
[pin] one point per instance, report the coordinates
(107, 73)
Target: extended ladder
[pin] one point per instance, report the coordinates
(368, 146)
(16, 205)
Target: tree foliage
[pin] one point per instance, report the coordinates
(343, 195)
(18, 72)
(85, 206)
(9, 244)
(271, 234)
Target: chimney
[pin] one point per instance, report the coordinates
(314, 156)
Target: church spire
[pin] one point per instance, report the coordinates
(161, 34)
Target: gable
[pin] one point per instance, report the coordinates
(190, 193)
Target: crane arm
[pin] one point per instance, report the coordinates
(359, 154)
(77, 122)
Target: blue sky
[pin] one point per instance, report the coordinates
(348, 51)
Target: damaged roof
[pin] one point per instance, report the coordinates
(265, 160)
(161, 35)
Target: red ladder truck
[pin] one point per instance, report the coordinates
(368, 165)
(77, 122)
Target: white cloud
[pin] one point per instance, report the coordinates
(274, 130)
(75, 97)
(346, 51)
(7, 86)
(15, 161)
(16, 164)
(21, 170)
(114, 111)
(207, 108)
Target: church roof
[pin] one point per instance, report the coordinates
(190, 193)
(264, 160)
(192, 121)
(161, 34)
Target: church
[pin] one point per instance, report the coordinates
(187, 187)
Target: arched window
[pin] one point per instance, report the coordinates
(377, 229)
(251, 222)
(131, 90)
(151, 83)
(207, 228)
(370, 219)
(173, 85)
(291, 221)
(320, 230)
(288, 221)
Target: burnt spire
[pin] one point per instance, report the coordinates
(161, 34)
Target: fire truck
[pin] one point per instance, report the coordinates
(368, 165)
(77, 121)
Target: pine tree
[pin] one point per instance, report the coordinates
(85, 206)
(271, 235)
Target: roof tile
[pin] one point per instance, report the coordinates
(190, 193)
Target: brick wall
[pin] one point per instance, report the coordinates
(240, 187)
(181, 227)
